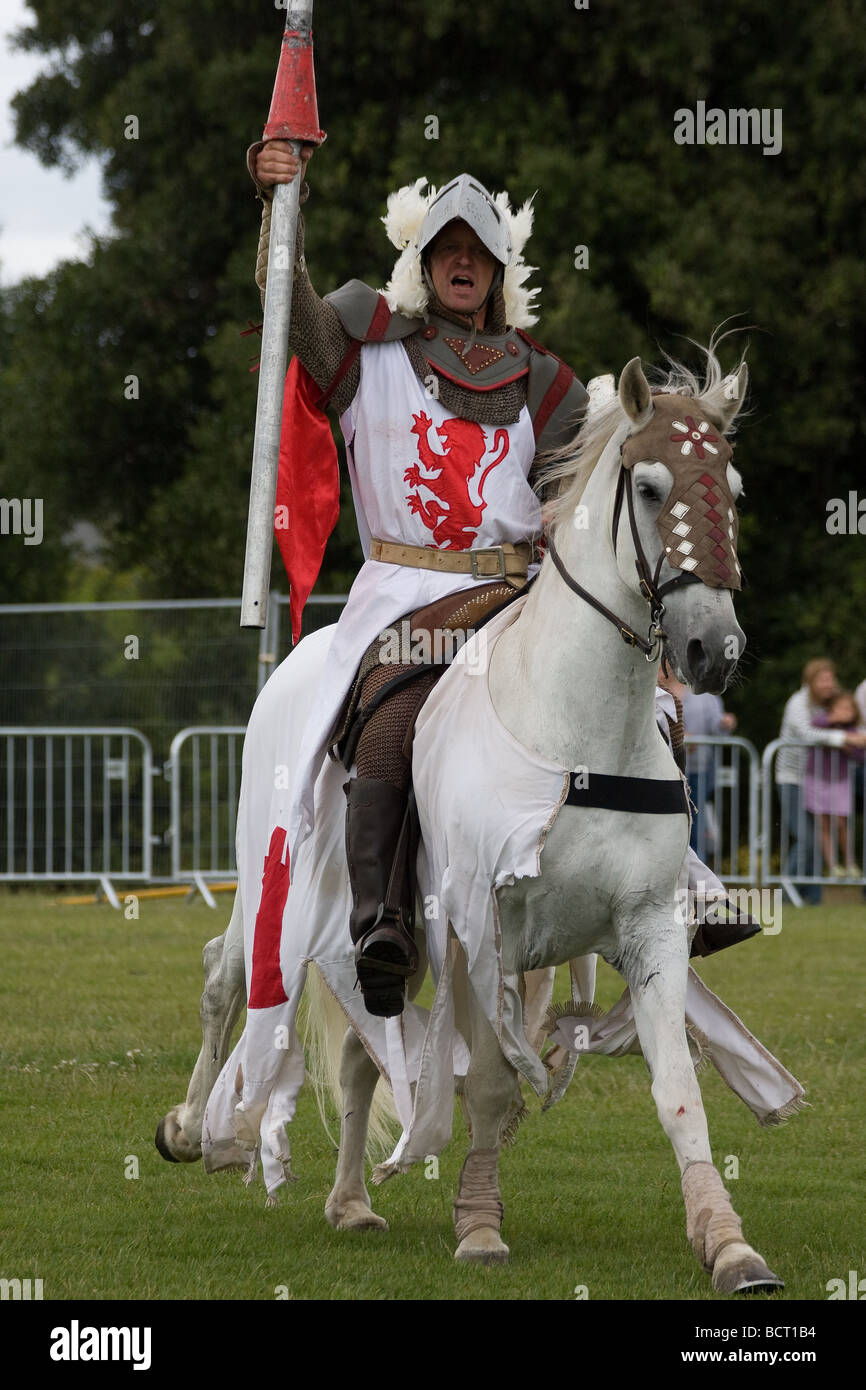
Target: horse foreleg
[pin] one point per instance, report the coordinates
(537, 994)
(348, 1205)
(657, 983)
(583, 971)
(178, 1134)
(492, 1095)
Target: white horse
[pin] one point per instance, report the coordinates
(566, 686)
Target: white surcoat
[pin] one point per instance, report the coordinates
(447, 484)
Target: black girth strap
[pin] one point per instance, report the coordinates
(644, 794)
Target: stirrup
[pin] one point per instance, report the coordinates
(386, 947)
(384, 957)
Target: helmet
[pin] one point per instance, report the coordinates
(413, 220)
(467, 200)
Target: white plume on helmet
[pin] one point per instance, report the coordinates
(406, 292)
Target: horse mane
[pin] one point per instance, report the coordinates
(564, 472)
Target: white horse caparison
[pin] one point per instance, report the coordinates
(565, 684)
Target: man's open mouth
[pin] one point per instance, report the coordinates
(462, 282)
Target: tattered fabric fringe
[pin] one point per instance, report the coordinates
(752, 1073)
(383, 1171)
(784, 1112)
(252, 1169)
(701, 1054)
(577, 1008)
(509, 1132)
(560, 1077)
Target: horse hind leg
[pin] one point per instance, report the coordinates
(178, 1134)
(492, 1098)
(348, 1205)
(713, 1227)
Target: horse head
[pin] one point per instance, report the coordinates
(650, 483)
(681, 490)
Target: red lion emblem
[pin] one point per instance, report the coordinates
(451, 514)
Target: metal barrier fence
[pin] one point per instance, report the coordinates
(154, 666)
(77, 804)
(813, 819)
(204, 770)
(724, 780)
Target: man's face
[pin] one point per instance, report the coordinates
(461, 268)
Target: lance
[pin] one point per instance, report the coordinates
(294, 117)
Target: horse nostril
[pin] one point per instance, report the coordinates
(696, 658)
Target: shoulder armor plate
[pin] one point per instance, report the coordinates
(357, 304)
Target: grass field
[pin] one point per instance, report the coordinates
(99, 1035)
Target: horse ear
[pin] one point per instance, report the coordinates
(726, 400)
(634, 393)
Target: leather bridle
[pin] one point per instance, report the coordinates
(651, 645)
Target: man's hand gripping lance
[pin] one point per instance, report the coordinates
(293, 116)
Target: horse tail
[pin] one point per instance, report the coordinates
(322, 1026)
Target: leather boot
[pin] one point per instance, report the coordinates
(380, 921)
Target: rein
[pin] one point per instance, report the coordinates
(650, 645)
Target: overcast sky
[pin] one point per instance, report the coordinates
(42, 213)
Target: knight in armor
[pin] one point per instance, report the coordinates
(445, 402)
(446, 405)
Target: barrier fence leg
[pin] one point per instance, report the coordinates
(203, 889)
(106, 890)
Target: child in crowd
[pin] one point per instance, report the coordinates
(828, 787)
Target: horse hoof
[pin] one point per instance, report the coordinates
(354, 1216)
(172, 1143)
(739, 1269)
(483, 1247)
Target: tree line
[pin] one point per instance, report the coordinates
(126, 392)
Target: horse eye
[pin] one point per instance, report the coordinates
(648, 493)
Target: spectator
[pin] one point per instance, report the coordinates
(704, 715)
(819, 685)
(827, 787)
(860, 775)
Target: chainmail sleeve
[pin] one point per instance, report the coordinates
(316, 335)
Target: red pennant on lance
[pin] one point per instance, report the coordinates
(308, 488)
(266, 984)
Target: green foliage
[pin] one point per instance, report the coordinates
(576, 104)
